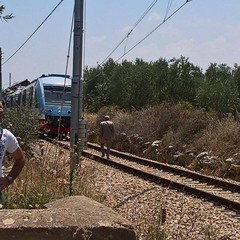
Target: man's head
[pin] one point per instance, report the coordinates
(106, 118)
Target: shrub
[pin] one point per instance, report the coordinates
(22, 122)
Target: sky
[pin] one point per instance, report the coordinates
(204, 31)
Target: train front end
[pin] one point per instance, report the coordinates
(54, 100)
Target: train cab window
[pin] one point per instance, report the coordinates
(57, 95)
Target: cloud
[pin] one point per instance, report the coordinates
(154, 16)
(96, 40)
(232, 31)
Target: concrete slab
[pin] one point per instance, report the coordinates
(74, 217)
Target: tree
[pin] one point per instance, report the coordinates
(183, 80)
(218, 90)
(5, 17)
(160, 70)
(97, 84)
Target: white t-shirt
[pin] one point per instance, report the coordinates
(8, 143)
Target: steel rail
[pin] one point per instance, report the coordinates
(173, 169)
(170, 183)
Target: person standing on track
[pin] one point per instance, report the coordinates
(106, 135)
(9, 143)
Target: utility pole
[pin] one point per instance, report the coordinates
(10, 79)
(0, 74)
(78, 135)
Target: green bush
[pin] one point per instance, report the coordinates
(23, 123)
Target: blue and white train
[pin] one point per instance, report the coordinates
(50, 95)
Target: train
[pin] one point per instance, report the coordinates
(50, 96)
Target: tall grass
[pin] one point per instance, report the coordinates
(46, 177)
(161, 131)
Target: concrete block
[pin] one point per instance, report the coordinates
(75, 217)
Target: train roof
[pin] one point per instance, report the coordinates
(55, 79)
(18, 85)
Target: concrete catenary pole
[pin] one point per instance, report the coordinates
(78, 125)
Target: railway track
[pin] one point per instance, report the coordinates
(218, 191)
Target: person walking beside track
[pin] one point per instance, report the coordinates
(106, 135)
(9, 143)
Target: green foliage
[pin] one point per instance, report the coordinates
(5, 17)
(134, 85)
(96, 86)
(219, 90)
(184, 79)
(139, 84)
(161, 71)
(22, 122)
(236, 76)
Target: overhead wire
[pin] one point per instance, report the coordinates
(165, 19)
(168, 8)
(126, 37)
(66, 71)
(33, 32)
(131, 30)
(69, 44)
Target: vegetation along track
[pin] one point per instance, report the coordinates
(219, 191)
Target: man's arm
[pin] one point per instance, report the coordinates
(19, 158)
(19, 162)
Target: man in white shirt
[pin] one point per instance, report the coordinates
(9, 143)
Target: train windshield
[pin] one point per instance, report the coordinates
(57, 95)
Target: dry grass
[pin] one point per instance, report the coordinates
(177, 128)
(46, 177)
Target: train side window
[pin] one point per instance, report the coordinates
(24, 97)
(17, 100)
(31, 96)
(35, 99)
(11, 101)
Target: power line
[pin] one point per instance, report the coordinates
(34, 32)
(66, 70)
(128, 34)
(168, 8)
(69, 44)
(165, 19)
